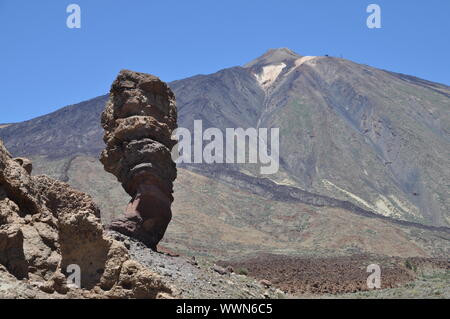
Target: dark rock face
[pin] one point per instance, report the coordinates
(72, 130)
(139, 119)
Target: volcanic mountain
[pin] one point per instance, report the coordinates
(364, 157)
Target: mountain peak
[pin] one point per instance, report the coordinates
(274, 56)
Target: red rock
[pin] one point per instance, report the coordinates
(139, 119)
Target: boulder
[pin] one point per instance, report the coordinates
(138, 120)
(47, 228)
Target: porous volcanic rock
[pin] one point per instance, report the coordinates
(46, 229)
(138, 120)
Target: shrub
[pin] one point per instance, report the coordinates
(242, 271)
(410, 265)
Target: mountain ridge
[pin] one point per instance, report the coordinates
(375, 138)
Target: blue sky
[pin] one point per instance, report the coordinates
(46, 65)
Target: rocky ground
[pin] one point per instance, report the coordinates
(198, 277)
(275, 276)
(48, 230)
(346, 276)
(431, 286)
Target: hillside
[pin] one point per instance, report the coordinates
(349, 131)
(356, 143)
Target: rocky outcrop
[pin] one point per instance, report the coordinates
(48, 230)
(139, 119)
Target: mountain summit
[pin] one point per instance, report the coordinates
(373, 139)
(274, 56)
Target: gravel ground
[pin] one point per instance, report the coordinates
(195, 278)
(435, 286)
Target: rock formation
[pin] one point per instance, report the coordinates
(139, 119)
(46, 228)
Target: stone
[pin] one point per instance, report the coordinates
(139, 119)
(220, 270)
(266, 283)
(25, 163)
(45, 227)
